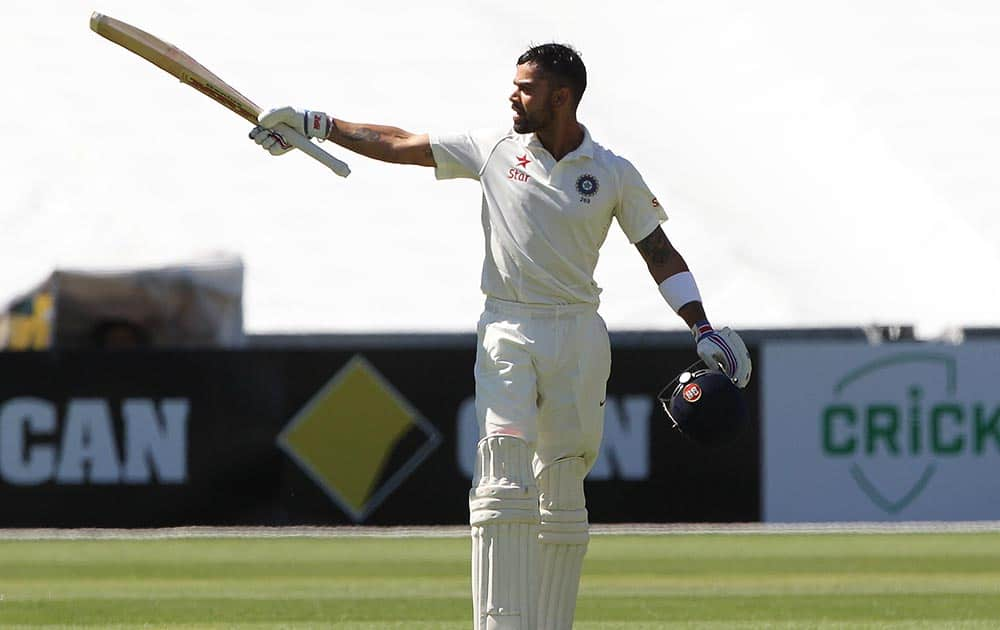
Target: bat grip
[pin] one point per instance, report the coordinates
(303, 143)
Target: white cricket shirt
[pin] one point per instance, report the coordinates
(545, 221)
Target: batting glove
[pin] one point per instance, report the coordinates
(271, 141)
(723, 350)
(311, 124)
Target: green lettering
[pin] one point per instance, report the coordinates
(844, 446)
(916, 443)
(986, 427)
(884, 431)
(938, 444)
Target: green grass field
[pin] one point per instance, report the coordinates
(670, 581)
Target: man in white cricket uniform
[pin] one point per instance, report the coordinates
(545, 221)
(550, 194)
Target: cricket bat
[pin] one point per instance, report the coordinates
(178, 63)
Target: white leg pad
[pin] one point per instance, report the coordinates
(503, 513)
(564, 533)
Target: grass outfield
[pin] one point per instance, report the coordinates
(671, 581)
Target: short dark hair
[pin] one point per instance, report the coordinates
(560, 62)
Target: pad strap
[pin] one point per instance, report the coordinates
(562, 504)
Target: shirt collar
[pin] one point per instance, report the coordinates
(586, 148)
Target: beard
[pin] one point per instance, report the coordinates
(524, 126)
(530, 123)
(525, 123)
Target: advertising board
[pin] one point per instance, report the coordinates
(901, 431)
(365, 435)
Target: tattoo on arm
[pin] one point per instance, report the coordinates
(656, 248)
(661, 258)
(381, 142)
(363, 134)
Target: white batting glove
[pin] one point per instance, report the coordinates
(308, 123)
(271, 141)
(725, 351)
(311, 124)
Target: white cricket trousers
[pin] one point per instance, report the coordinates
(541, 375)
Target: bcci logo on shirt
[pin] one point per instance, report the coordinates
(587, 186)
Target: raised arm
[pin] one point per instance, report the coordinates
(379, 142)
(719, 349)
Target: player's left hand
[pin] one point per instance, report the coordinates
(724, 350)
(312, 124)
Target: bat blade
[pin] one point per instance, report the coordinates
(175, 61)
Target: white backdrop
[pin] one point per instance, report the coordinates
(822, 163)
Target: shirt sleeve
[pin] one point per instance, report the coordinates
(463, 155)
(638, 211)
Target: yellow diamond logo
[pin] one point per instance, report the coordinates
(358, 438)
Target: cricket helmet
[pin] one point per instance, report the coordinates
(705, 406)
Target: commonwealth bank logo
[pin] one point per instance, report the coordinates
(359, 438)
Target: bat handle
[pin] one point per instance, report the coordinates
(303, 143)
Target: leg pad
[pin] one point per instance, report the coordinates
(503, 513)
(564, 533)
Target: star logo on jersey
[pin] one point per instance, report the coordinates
(523, 161)
(587, 185)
